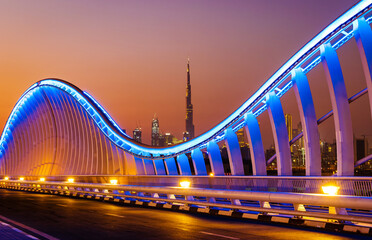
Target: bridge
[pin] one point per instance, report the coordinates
(58, 139)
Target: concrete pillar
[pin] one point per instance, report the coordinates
(277, 120)
(234, 153)
(309, 123)
(252, 130)
(215, 158)
(149, 167)
(183, 164)
(199, 163)
(363, 37)
(341, 110)
(159, 167)
(170, 166)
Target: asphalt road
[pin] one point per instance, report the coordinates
(66, 218)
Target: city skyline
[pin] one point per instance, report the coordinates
(150, 71)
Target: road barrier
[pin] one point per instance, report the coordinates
(335, 208)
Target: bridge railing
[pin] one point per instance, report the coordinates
(353, 186)
(338, 207)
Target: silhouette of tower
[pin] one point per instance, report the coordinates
(155, 131)
(189, 134)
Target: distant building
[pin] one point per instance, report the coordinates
(155, 135)
(361, 148)
(288, 123)
(137, 135)
(241, 138)
(189, 133)
(168, 139)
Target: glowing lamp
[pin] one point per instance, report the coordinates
(330, 190)
(211, 174)
(21, 178)
(70, 180)
(42, 179)
(114, 181)
(185, 184)
(6, 178)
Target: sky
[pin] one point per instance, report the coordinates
(131, 56)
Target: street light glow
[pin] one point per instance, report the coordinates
(21, 178)
(211, 174)
(330, 190)
(70, 180)
(42, 179)
(185, 184)
(6, 178)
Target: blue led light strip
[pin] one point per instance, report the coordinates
(117, 136)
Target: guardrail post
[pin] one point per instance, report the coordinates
(252, 130)
(235, 202)
(264, 204)
(341, 110)
(183, 164)
(363, 37)
(299, 207)
(199, 163)
(215, 158)
(171, 196)
(309, 122)
(283, 152)
(234, 153)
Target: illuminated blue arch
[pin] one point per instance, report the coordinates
(337, 33)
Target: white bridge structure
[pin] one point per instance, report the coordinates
(57, 131)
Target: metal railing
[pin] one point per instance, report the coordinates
(311, 205)
(353, 186)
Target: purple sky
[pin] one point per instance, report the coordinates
(131, 55)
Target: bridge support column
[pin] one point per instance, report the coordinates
(159, 167)
(234, 153)
(171, 167)
(363, 37)
(252, 130)
(183, 164)
(215, 158)
(283, 152)
(199, 163)
(149, 167)
(341, 110)
(309, 123)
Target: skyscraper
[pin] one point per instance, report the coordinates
(189, 134)
(137, 135)
(155, 131)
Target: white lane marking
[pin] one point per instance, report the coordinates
(62, 205)
(33, 230)
(218, 235)
(18, 230)
(115, 215)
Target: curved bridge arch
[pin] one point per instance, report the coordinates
(57, 129)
